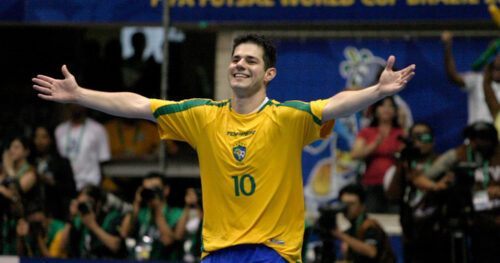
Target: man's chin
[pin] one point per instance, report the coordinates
(239, 87)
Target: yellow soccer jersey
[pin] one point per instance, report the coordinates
(251, 172)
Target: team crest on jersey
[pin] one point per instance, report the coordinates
(239, 152)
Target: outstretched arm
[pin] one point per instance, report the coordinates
(348, 102)
(449, 61)
(122, 104)
(489, 94)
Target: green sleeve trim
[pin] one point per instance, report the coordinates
(186, 105)
(202, 246)
(299, 105)
(269, 102)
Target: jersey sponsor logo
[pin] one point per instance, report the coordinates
(234, 134)
(239, 152)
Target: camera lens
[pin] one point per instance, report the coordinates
(84, 208)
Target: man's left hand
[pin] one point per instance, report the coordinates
(390, 81)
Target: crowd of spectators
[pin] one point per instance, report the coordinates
(49, 210)
(449, 204)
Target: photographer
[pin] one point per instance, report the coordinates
(476, 187)
(93, 232)
(157, 227)
(420, 198)
(39, 236)
(365, 241)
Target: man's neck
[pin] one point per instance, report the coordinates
(246, 105)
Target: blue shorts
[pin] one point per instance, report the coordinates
(251, 253)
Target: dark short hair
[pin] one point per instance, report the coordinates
(269, 56)
(152, 175)
(25, 141)
(355, 189)
(481, 130)
(93, 191)
(426, 125)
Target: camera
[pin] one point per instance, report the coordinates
(148, 194)
(410, 151)
(9, 180)
(326, 223)
(36, 228)
(328, 217)
(85, 207)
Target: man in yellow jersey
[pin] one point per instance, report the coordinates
(249, 148)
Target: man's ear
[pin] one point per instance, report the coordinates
(270, 74)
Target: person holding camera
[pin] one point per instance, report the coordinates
(419, 198)
(91, 231)
(157, 227)
(474, 197)
(365, 241)
(39, 236)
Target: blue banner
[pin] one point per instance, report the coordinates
(138, 11)
(11, 11)
(329, 66)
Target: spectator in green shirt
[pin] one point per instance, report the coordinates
(39, 236)
(92, 231)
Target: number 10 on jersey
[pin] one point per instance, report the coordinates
(244, 184)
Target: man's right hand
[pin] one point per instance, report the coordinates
(59, 90)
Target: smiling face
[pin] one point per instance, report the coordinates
(246, 72)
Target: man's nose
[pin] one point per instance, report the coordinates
(240, 64)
